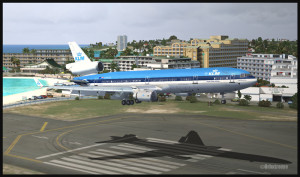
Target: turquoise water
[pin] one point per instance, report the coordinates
(19, 85)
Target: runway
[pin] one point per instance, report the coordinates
(74, 147)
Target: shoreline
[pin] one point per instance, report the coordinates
(10, 99)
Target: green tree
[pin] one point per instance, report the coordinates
(239, 94)
(172, 37)
(26, 50)
(178, 98)
(247, 97)
(243, 102)
(294, 101)
(164, 42)
(113, 66)
(133, 66)
(18, 62)
(13, 60)
(127, 52)
(33, 51)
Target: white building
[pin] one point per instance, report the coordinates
(284, 75)
(260, 65)
(122, 43)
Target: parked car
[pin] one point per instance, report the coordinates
(235, 99)
(45, 96)
(40, 97)
(33, 98)
(290, 102)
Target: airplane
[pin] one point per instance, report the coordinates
(188, 145)
(145, 85)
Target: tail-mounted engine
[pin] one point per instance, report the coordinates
(85, 68)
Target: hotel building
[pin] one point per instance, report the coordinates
(260, 65)
(60, 56)
(217, 51)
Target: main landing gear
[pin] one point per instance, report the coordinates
(130, 102)
(223, 101)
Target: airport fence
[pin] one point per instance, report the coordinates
(46, 100)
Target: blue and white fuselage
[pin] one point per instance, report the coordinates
(195, 80)
(145, 85)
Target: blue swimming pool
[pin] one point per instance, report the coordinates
(19, 85)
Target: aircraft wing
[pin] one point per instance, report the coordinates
(129, 89)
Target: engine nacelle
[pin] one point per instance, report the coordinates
(85, 68)
(146, 95)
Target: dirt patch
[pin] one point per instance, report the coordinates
(279, 118)
(160, 109)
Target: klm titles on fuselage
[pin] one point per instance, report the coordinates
(79, 57)
(214, 73)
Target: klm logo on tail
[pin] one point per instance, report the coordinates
(79, 57)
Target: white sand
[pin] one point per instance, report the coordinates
(43, 91)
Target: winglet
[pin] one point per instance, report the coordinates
(191, 138)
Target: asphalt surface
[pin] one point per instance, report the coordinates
(72, 147)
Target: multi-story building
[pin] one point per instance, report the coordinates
(285, 72)
(122, 42)
(60, 56)
(146, 62)
(217, 51)
(260, 65)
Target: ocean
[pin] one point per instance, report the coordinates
(13, 86)
(8, 48)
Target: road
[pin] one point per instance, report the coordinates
(68, 147)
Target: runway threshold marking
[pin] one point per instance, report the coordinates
(7, 152)
(57, 139)
(43, 127)
(17, 139)
(250, 136)
(59, 153)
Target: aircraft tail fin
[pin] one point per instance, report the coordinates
(191, 138)
(38, 83)
(77, 53)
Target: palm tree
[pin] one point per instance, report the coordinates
(13, 60)
(26, 50)
(247, 97)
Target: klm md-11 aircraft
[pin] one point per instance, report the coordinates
(145, 85)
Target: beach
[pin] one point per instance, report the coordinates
(10, 99)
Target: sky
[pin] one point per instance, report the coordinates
(87, 23)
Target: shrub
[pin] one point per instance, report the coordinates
(217, 101)
(188, 98)
(77, 98)
(243, 102)
(100, 97)
(107, 96)
(193, 99)
(280, 105)
(162, 99)
(178, 98)
(264, 103)
(294, 100)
